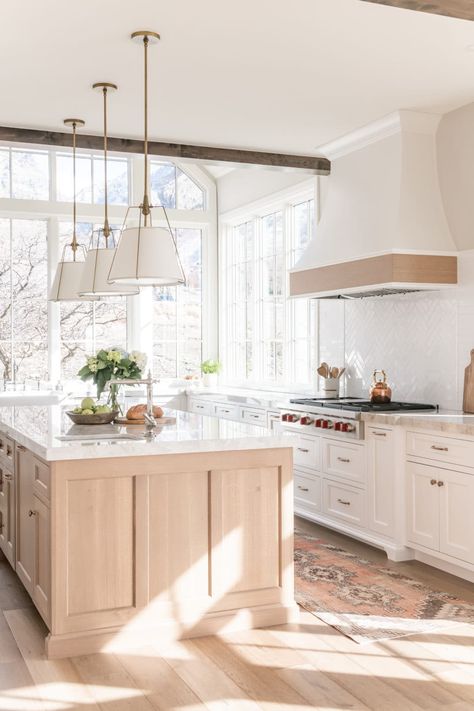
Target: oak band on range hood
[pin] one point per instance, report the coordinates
(383, 228)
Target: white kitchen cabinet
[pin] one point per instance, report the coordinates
(253, 416)
(202, 407)
(381, 481)
(307, 492)
(227, 412)
(440, 510)
(8, 514)
(344, 460)
(344, 502)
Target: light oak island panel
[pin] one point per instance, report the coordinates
(175, 545)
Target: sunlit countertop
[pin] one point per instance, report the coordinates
(449, 421)
(39, 428)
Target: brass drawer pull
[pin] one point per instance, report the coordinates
(8, 477)
(344, 503)
(31, 513)
(433, 482)
(440, 483)
(302, 488)
(380, 434)
(9, 451)
(341, 459)
(302, 449)
(439, 449)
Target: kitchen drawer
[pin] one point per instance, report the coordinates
(306, 452)
(344, 503)
(201, 407)
(255, 417)
(41, 478)
(7, 451)
(228, 412)
(441, 449)
(307, 489)
(345, 460)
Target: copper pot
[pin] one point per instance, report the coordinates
(380, 392)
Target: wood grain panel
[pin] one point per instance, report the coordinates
(100, 555)
(315, 165)
(463, 9)
(245, 530)
(179, 536)
(381, 269)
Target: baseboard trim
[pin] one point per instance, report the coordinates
(121, 639)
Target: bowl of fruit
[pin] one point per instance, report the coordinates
(91, 413)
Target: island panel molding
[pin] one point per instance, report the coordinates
(315, 165)
(463, 9)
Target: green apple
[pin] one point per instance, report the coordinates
(102, 409)
(87, 411)
(87, 403)
(77, 410)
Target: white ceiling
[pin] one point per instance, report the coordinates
(266, 74)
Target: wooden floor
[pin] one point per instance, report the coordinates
(302, 666)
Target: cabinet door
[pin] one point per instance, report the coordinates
(25, 529)
(380, 481)
(7, 515)
(42, 565)
(456, 494)
(423, 505)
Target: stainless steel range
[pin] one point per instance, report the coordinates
(341, 416)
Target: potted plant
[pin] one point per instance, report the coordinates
(210, 370)
(112, 364)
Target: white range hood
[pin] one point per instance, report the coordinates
(383, 228)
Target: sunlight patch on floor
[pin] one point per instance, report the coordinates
(62, 695)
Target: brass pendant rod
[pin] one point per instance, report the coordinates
(74, 236)
(106, 209)
(146, 201)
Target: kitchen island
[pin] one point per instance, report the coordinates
(119, 540)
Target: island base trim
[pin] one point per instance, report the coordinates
(119, 639)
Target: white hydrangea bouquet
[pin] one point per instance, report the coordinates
(112, 364)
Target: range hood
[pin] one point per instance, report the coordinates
(383, 228)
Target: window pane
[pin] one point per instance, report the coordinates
(4, 173)
(163, 184)
(5, 282)
(30, 175)
(110, 318)
(117, 181)
(83, 235)
(164, 360)
(64, 179)
(190, 196)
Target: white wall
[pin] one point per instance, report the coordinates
(246, 185)
(421, 340)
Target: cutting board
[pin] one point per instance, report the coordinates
(159, 421)
(468, 396)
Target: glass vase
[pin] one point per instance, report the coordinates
(112, 401)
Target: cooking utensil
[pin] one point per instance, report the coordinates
(322, 371)
(326, 369)
(343, 370)
(334, 372)
(380, 392)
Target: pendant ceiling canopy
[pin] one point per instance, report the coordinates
(147, 254)
(94, 280)
(69, 272)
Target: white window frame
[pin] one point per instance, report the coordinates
(139, 308)
(284, 201)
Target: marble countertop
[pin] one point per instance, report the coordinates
(41, 429)
(449, 421)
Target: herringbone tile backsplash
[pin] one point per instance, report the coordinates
(422, 341)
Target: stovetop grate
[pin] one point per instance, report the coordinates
(359, 405)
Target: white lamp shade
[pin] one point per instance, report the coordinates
(94, 280)
(146, 256)
(66, 283)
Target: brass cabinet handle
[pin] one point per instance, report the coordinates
(302, 449)
(302, 488)
(31, 513)
(440, 483)
(433, 482)
(380, 434)
(255, 417)
(21, 447)
(439, 449)
(345, 503)
(341, 459)
(8, 477)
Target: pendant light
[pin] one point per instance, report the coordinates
(147, 255)
(68, 273)
(94, 280)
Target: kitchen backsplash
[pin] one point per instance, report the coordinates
(422, 340)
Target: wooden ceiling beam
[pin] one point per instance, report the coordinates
(208, 154)
(463, 9)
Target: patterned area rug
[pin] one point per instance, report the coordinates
(369, 602)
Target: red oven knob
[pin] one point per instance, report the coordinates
(325, 424)
(344, 427)
(338, 426)
(318, 423)
(305, 420)
(284, 417)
